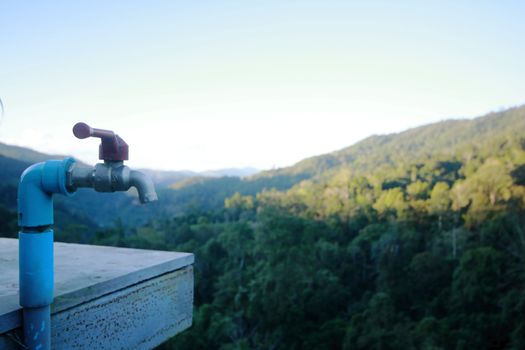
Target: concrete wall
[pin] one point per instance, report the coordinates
(140, 316)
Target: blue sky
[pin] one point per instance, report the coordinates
(213, 84)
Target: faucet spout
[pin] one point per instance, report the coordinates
(111, 177)
(144, 186)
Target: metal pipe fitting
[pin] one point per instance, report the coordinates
(111, 177)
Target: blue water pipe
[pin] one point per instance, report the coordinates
(37, 185)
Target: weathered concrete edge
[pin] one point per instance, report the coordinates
(138, 317)
(86, 294)
(8, 341)
(11, 312)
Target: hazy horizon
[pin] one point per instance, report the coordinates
(255, 169)
(229, 84)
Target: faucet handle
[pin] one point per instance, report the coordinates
(112, 147)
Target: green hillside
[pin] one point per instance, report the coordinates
(407, 241)
(442, 138)
(184, 192)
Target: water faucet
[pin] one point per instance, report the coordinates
(38, 184)
(112, 175)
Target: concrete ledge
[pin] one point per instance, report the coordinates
(105, 297)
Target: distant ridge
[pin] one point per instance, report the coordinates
(161, 177)
(26, 154)
(424, 141)
(237, 172)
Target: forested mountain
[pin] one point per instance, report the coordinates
(413, 240)
(418, 143)
(183, 192)
(409, 241)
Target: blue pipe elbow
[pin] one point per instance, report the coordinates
(37, 185)
(36, 188)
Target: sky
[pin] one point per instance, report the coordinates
(205, 85)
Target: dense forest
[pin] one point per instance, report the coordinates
(407, 241)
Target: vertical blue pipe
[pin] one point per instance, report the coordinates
(37, 185)
(36, 287)
(37, 327)
(36, 268)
